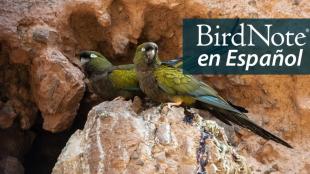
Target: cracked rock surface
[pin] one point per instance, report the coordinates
(117, 140)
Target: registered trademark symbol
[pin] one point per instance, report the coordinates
(307, 30)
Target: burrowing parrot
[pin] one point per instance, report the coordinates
(109, 81)
(164, 83)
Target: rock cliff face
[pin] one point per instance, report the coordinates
(40, 74)
(117, 140)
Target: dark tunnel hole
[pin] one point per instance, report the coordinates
(47, 146)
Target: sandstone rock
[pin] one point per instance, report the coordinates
(117, 140)
(57, 87)
(28, 33)
(44, 35)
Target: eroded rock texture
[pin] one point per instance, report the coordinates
(117, 140)
(39, 72)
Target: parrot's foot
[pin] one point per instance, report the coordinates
(174, 104)
(169, 105)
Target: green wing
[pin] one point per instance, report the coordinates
(172, 81)
(124, 79)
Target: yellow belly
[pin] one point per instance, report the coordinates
(185, 100)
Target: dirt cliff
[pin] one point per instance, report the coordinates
(40, 76)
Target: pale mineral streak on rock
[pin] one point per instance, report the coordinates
(163, 134)
(117, 140)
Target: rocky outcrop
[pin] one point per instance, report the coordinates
(51, 83)
(117, 140)
(57, 87)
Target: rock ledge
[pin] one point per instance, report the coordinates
(117, 140)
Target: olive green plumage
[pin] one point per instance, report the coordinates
(164, 83)
(109, 81)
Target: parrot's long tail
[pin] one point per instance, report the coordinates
(239, 118)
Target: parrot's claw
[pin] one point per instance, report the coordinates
(169, 105)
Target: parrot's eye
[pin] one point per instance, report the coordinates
(143, 49)
(93, 56)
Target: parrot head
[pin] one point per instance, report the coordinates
(93, 61)
(146, 54)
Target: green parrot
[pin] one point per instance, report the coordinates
(109, 81)
(164, 83)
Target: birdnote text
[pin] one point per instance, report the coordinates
(246, 46)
